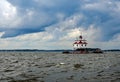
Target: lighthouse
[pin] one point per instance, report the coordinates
(80, 47)
(80, 43)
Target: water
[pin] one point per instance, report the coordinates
(57, 67)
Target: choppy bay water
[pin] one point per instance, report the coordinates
(57, 67)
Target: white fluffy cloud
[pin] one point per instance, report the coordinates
(8, 15)
(34, 40)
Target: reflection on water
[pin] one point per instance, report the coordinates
(57, 67)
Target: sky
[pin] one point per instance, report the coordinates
(55, 24)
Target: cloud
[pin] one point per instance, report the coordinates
(60, 19)
(8, 15)
(30, 16)
(103, 14)
(34, 15)
(28, 41)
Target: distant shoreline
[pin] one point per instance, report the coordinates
(30, 50)
(37, 50)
